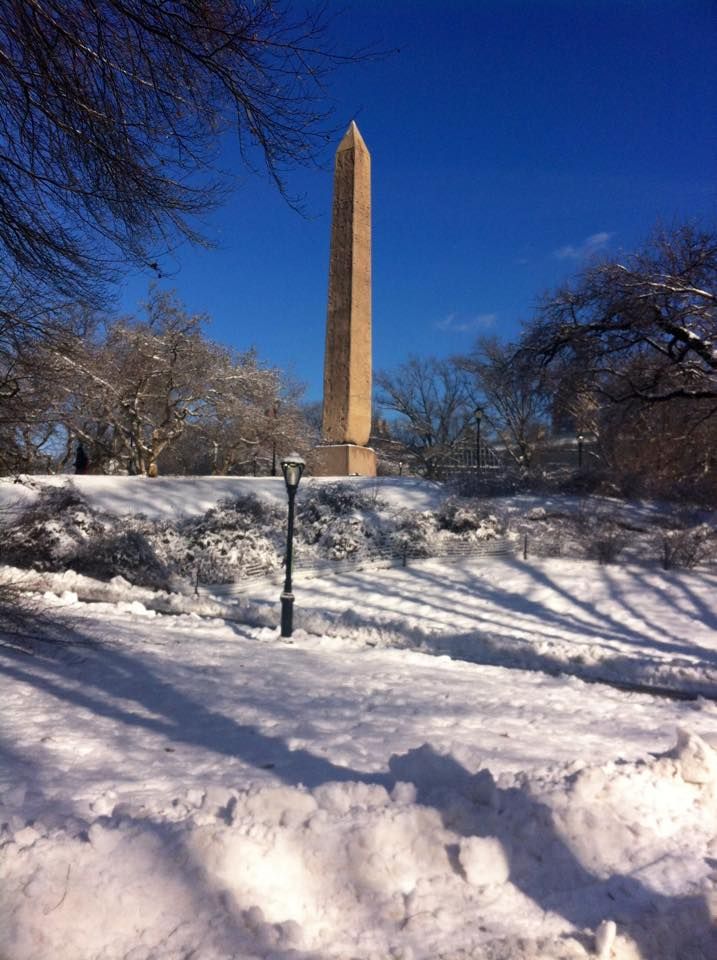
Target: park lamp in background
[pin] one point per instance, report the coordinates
(479, 416)
(292, 467)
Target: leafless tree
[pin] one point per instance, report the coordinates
(143, 393)
(631, 348)
(512, 392)
(643, 329)
(110, 118)
(130, 393)
(252, 418)
(29, 396)
(666, 449)
(432, 400)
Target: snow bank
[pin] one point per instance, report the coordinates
(440, 864)
(171, 785)
(176, 786)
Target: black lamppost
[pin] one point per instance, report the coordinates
(292, 467)
(274, 414)
(479, 416)
(580, 451)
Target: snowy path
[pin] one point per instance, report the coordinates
(175, 787)
(626, 624)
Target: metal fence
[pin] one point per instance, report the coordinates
(396, 556)
(526, 547)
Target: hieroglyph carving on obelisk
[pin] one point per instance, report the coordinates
(347, 364)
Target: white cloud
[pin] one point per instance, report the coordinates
(454, 323)
(583, 251)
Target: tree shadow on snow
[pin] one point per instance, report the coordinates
(541, 864)
(174, 902)
(488, 642)
(544, 868)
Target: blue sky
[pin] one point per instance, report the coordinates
(509, 140)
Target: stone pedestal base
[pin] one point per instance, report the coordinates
(344, 460)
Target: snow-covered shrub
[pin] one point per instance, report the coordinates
(15, 602)
(312, 520)
(607, 545)
(602, 536)
(48, 533)
(344, 537)
(465, 517)
(127, 552)
(56, 499)
(250, 508)
(551, 531)
(686, 548)
(333, 514)
(414, 533)
(235, 538)
(339, 498)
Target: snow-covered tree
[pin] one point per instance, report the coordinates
(156, 392)
(631, 347)
(130, 393)
(643, 328)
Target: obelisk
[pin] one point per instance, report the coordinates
(346, 419)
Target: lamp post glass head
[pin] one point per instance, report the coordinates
(292, 467)
(478, 414)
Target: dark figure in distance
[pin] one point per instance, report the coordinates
(81, 460)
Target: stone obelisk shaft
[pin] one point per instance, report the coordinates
(347, 363)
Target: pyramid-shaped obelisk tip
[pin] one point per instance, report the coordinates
(352, 138)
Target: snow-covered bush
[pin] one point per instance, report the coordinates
(337, 517)
(237, 536)
(688, 547)
(602, 535)
(339, 499)
(128, 552)
(550, 531)
(414, 532)
(15, 602)
(606, 544)
(312, 520)
(250, 508)
(48, 533)
(465, 517)
(343, 538)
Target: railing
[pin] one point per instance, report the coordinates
(463, 459)
(533, 547)
(395, 556)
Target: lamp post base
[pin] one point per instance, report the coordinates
(287, 614)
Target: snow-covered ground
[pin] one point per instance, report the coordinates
(168, 497)
(421, 774)
(621, 623)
